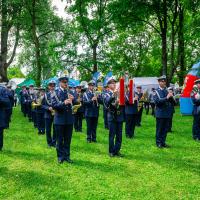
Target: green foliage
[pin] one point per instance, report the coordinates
(29, 169)
(104, 35)
(15, 72)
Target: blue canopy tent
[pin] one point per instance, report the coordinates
(72, 82)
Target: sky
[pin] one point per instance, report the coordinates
(60, 5)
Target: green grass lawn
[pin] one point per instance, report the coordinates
(29, 170)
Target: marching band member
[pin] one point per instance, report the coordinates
(78, 115)
(172, 103)
(139, 94)
(91, 102)
(62, 102)
(105, 90)
(163, 112)
(49, 114)
(23, 97)
(40, 112)
(10, 93)
(152, 104)
(195, 96)
(33, 95)
(30, 99)
(4, 103)
(115, 118)
(131, 112)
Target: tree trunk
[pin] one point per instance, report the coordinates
(94, 51)
(164, 53)
(181, 46)
(6, 24)
(4, 43)
(172, 55)
(37, 45)
(162, 18)
(173, 35)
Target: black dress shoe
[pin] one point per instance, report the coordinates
(111, 155)
(95, 141)
(89, 141)
(60, 161)
(69, 160)
(119, 154)
(197, 139)
(160, 146)
(166, 146)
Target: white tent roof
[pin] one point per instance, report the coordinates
(17, 80)
(147, 82)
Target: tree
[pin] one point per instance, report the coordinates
(10, 26)
(94, 21)
(40, 28)
(14, 72)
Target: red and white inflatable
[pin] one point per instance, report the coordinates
(186, 105)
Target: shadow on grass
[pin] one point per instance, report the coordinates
(167, 161)
(29, 156)
(25, 178)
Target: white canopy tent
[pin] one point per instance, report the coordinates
(147, 83)
(15, 81)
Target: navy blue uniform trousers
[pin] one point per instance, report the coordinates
(91, 128)
(51, 141)
(1, 138)
(130, 124)
(78, 118)
(40, 122)
(162, 125)
(64, 136)
(196, 127)
(115, 136)
(105, 117)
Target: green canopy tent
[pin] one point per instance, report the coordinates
(26, 82)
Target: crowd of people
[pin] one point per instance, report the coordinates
(56, 112)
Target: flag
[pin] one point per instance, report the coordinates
(95, 77)
(108, 75)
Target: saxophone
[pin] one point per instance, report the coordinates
(143, 99)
